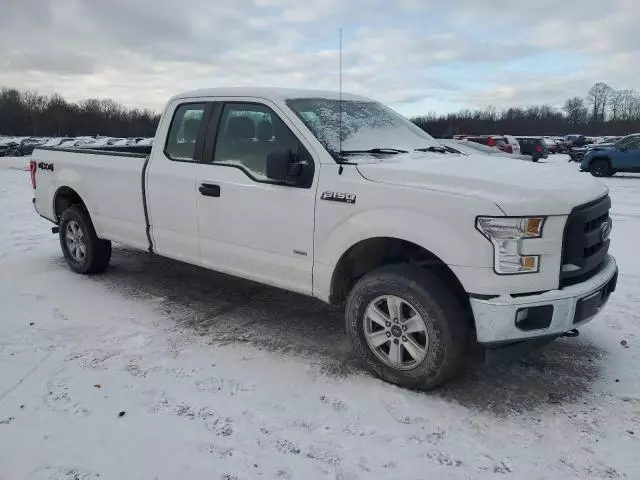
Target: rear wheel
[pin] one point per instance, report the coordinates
(83, 250)
(600, 168)
(407, 326)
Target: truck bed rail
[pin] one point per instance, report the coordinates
(138, 151)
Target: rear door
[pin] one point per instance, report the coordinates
(249, 225)
(171, 180)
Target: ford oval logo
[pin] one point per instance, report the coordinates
(605, 230)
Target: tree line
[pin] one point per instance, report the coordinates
(27, 113)
(604, 111)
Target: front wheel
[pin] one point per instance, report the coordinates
(600, 168)
(83, 250)
(407, 326)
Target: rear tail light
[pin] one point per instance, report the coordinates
(539, 148)
(32, 170)
(508, 149)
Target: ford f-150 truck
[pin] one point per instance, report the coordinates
(345, 200)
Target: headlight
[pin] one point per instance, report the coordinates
(506, 235)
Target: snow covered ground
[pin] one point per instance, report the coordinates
(160, 370)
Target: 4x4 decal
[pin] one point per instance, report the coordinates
(45, 166)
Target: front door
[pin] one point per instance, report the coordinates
(249, 225)
(627, 156)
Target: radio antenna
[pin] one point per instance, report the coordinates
(340, 102)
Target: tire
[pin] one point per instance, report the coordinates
(600, 168)
(92, 254)
(534, 159)
(444, 321)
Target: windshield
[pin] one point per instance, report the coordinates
(623, 141)
(366, 125)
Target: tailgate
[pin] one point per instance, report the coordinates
(41, 170)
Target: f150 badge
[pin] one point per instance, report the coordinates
(339, 197)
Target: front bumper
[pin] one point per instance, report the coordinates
(572, 306)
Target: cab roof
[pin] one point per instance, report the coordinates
(269, 93)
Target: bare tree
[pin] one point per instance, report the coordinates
(34, 105)
(576, 111)
(598, 98)
(627, 98)
(615, 104)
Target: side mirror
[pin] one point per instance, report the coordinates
(291, 168)
(278, 164)
(281, 166)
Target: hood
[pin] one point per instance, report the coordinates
(602, 146)
(518, 188)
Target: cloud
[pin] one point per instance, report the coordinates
(407, 53)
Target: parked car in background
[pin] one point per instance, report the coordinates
(575, 141)
(9, 147)
(27, 145)
(101, 142)
(561, 145)
(491, 141)
(622, 156)
(473, 148)
(54, 142)
(550, 144)
(78, 142)
(513, 142)
(576, 154)
(533, 146)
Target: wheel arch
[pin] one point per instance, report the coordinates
(375, 252)
(64, 198)
(599, 157)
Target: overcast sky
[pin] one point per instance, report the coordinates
(416, 55)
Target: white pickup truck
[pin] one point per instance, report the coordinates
(347, 201)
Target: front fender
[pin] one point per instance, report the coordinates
(454, 244)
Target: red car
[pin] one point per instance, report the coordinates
(500, 143)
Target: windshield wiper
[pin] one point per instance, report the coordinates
(392, 151)
(442, 149)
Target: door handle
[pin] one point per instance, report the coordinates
(209, 190)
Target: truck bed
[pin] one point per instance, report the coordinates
(108, 179)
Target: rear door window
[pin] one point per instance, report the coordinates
(185, 131)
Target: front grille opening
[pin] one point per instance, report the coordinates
(578, 247)
(595, 223)
(592, 249)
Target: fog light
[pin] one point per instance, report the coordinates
(534, 318)
(521, 316)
